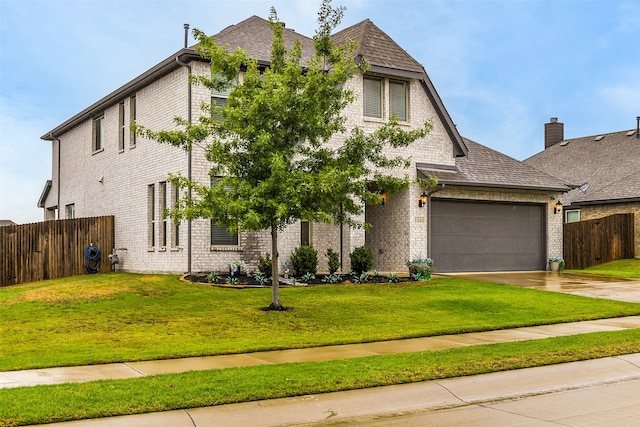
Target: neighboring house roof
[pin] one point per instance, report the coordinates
(484, 167)
(4, 222)
(610, 163)
(45, 193)
(254, 35)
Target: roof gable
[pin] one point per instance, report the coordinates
(254, 35)
(377, 47)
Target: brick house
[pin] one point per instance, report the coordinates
(490, 212)
(606, 166)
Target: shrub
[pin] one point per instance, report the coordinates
(264, 265)
(420, 268)
(304, 259)
(361, 260)
(333, 260)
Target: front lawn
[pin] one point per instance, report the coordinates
(622, 268)
(126, 317)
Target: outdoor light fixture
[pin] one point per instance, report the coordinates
(557, 207)
(422, 200)
(384, 198)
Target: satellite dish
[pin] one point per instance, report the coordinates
(584, 187)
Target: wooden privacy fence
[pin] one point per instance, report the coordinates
(596, 241)
(52, 249)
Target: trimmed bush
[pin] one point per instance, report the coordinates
(304, 259)
(264, 265)
(333, 260)
(361, 260)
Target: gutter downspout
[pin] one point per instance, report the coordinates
(189, 156)
(53, 138)
(435, 190)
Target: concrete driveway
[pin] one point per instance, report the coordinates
(588, 285)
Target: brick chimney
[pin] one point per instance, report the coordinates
(553, 132)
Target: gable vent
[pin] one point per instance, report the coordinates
(599, 137)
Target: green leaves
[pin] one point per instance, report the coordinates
(281, 141)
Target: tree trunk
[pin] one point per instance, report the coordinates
(275, 277)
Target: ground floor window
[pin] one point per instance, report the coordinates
(572, 215)
(70, 211)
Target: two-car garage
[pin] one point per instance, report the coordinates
(487, 236)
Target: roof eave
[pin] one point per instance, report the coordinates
(459, 148)
(151, 75)
(605, 201)
(505, 186)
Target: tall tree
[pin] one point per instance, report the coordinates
(271, 144)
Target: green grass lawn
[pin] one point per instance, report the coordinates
(120, 317)
(622, 268)
(126, 317)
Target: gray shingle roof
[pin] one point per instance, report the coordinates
(254, 36)
(489, 168)
(377, 47)
(611, 166)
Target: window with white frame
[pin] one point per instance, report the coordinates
(220, 234)
(121, 126)
(219, 99)
(175, 236)
(151, 216)
(572, 215)
(98, 133)
(132, 119)
(398, 99)
(163, 220)
(372, 104)
(70, 211)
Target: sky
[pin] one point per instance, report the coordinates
(501, 67)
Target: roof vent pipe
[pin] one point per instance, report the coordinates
(638, 127)
(186, 36)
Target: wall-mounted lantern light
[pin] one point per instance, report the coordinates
(384, 199)
(422, 200)
(557, 208)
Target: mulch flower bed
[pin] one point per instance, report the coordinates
(245, 281)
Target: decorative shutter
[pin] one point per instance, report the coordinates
(373, 98)
(398, 100)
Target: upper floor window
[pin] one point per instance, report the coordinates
(121, 126)
(98, 133)
(372, 97)
(220, 98)
(398, 99)
(376, 103)
(132, 119)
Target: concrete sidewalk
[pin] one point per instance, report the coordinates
(78, 374)
(501, 398)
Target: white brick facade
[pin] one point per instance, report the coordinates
(117, 182)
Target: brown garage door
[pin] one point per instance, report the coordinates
(487, 236)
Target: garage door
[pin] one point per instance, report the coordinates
(487, 236)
